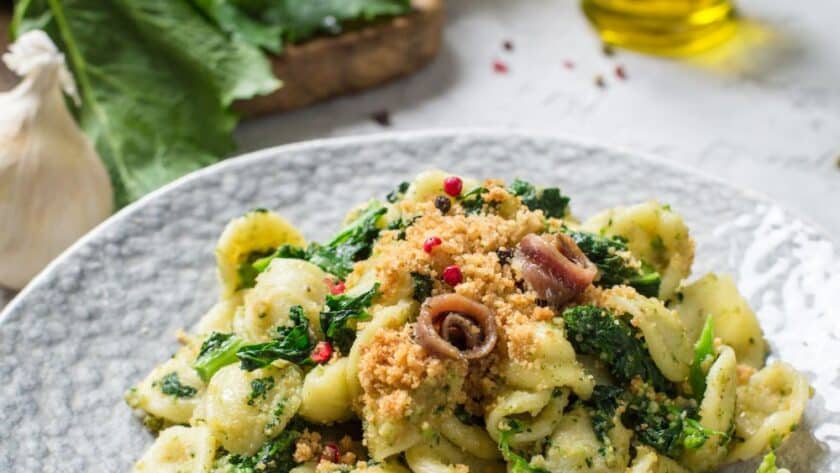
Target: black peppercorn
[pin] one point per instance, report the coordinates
(443, 204)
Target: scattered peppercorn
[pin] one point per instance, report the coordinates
(500, 67)
(322, 352)
(508, 45)
(452, 275)
(569, 64)
(382, 117)
(431, 243)
(608, 50)
(330, 453)
(600, 82)
(453, 185)
(443, 204)
(505, 255)
(620, 72)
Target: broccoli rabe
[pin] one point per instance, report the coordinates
(704, 351)
(172, 386)
(768, 464)
(293, 343)
(422, 286)
(248, 271)
(276, 456)
(667, 425)
(339, 317)
(517, 463)
(217, 351)
(615, 264)
(353, 243)
(473, 201)
(550, 200)
(596, 331)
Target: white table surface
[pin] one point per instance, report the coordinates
(762, 112)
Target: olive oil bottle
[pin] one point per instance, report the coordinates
(669, 27)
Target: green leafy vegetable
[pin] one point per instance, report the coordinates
(768, 463)
(268, 24)
(292, 344)
(156, 80)
(550, 200)
(338, 319)
(473, 201)
(171, 386)
(422, 286)
(248, 271)
(259, 388)
(398, 193)
(667, 425)
(615, 264)
(704, 350)
(275, 456)
(518, 464)
(594, 330)
(354, 243)
(217, 351)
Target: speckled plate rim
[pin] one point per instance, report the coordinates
(303, 146)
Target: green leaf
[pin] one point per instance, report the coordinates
(704, 349)
(615, 263)
(518, 464)
(353, 243)
(550, 200)
(171, 386)
(473, 201)
(217, 351)
(768, 463)
(293, 343)
(341, 313)
(156, 80)
(422, 286)
(237, 23)
(619, 345)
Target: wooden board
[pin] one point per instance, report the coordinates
(327, 67)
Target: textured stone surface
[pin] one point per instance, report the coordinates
(95, 323)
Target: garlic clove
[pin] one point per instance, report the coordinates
(53, 186)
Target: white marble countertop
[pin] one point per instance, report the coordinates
(762, 112)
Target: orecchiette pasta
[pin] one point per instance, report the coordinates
(735, 323)
(468, 327)
(768, 408)
(654, 233)
(180, 449)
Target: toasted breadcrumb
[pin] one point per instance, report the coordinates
(307, 447)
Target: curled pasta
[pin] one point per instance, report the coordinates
(257, 232)
(663, 330)
(220, 317)
(573, 446)
(551, 362)
(241, 419)
(150, 397)
(469, 438)
(429, 184)
(324, 395)
(735, 323)
(717, 412)
(439, 456)
(768, 407)
(179, 449)
(655, 234)
(286, 283)
(648, 461)
(540, 411)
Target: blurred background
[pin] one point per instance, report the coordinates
(759, 106)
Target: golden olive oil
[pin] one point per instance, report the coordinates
(671, 27)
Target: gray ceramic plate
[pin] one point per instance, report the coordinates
(105, 312)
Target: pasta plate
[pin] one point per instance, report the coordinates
(97, 320)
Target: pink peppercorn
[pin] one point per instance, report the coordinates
(336, 287)
(322, 352)
(500, 67)
(452, 275)
(431, 243)
(453, 185)
(330, 453)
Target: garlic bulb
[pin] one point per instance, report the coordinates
(53, 187)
